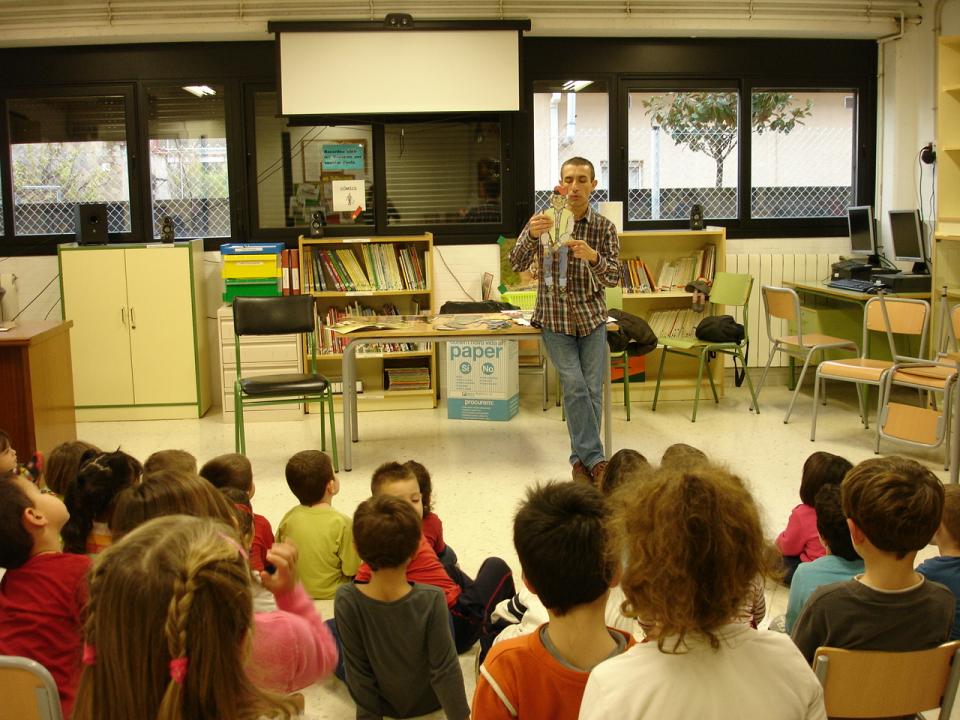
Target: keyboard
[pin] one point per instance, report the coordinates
(854, 285)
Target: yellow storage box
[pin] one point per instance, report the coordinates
(251, 266)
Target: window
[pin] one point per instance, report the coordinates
(188, 160)
(802, 153)
(443, 173)
(570, 119)
(301, 169)
(683, 146)
(65, 151)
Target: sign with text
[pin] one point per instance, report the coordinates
(348, 195)
(343, 156)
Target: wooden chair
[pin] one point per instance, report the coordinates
(28, 691)
(872, 684)
(729, 289)
(891, 316)
(784, 304)
(280, 316)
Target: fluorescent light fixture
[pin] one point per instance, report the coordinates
(576, 85)
(199, 90)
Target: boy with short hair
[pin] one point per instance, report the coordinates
(399, 657)
(43, 592)
(234, 470)
(568, 560)
(841, 561)
(945, 569)
(323, 535)
(170, 460)
(893, 506)
(470, 601)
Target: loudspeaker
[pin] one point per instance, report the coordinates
(696, 217)
(166, 229)
(316, 224)
(90, 221)
(928, 156)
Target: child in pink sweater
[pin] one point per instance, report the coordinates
(800, 541)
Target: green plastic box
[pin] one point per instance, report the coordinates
(252, 287)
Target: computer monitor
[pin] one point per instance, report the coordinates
(906, 230)
(863, 237)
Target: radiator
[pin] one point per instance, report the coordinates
(773, 269)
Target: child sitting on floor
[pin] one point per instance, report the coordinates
(170, 460)
(64, 464)
(432, 525)
(398, 655)
(945, 569)
(91, 499)
(323, 535)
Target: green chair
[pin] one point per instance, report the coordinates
(729, 289)
(282, 315)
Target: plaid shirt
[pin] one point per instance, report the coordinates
(583, 306)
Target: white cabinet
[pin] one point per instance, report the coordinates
(139, 351)
(259, 355)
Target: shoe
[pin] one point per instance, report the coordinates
(598, 472)
(581, 474)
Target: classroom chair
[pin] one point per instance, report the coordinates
(780, 303)
(280, 316)
(530, 364)
(28, 691)
(891, 316)
(729, 289)
(872, 684)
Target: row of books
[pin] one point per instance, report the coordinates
(677, 273)
(332, 343)
(290, 267)
(373, 266)
(675, 323)
(407, 378)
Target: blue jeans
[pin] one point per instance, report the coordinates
(581, 362)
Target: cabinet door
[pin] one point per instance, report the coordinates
(95, 298)
(160, 295)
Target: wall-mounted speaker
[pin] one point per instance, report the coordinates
(316, 224)
(166, 229)
(696, 217)
(90, 222)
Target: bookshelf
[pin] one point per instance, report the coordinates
(373, 276)
(946, 244)
(658, 250)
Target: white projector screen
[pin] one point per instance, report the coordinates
(399, 71)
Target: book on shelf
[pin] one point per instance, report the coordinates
(285, 271)
(407, 378)
(336, 385)
(294, 272)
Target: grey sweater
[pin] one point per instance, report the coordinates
(399, 656)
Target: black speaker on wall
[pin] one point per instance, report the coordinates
(696, 217)
(91, 223)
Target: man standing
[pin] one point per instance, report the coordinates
(571, 307)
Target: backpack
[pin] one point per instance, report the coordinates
(457, 307)
(724, 329)
(631, 330)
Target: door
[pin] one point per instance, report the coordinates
(95, 298)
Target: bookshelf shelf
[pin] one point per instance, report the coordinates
(373, 276)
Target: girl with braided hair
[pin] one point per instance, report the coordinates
(168, 627)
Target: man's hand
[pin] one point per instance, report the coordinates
(539, 224)
(582, 250)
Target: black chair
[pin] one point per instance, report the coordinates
(280, 316)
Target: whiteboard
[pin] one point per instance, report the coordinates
(399, 71)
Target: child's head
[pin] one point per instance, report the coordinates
(310, 477)
(8, 454)
(386, 531)
(64, 463)
(171, 460)
(624, 466)
(424, 482)
(179, 588)
(949, 531)
(564, 548)
(230, 470)
(397, 480)
(694, 546)
(91, 498)
(895, 502)
(832, 524)
(168, 492)
(681, 456)
(821, 468)
(242, 513)
(25, 513)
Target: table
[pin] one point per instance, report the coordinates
(36, 375)
(425, 332)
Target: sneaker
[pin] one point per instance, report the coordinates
(597, 472)
(581, 474)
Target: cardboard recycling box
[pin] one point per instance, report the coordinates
(482, 380)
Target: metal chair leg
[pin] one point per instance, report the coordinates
(817, 381)
(626, 384)
(746, 376)
(696, 394)
(656, 392)
(796, 389)
(766, 368)
(333, 432)
(713, 387)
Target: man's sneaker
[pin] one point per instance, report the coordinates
(597, 472)
(581, 474)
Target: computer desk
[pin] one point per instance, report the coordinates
(425, 332)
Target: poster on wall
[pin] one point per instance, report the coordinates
(343, 156)
(348, 195)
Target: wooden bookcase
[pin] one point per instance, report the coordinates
(655, 247)
(372, 364)
(946, 245)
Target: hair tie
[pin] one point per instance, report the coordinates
(178, 669)
(245, 508)
(243, 553)
(89, 654)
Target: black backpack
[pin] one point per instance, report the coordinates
(724, 329)
(457, 307)
(632, 330)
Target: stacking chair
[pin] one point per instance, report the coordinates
(530, 364)
(729, 289)
(872, 684)
(891, 316)
(783, 304)
(280, 316)
(28, 691)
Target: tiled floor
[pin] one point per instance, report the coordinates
(480, 469)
